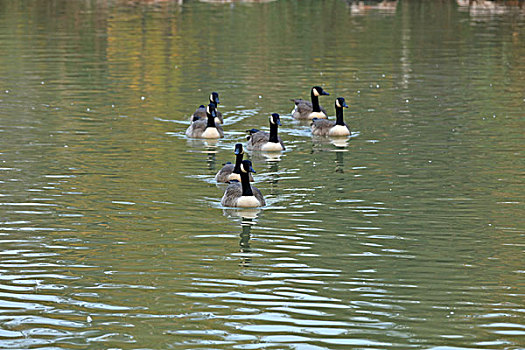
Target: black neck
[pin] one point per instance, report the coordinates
(315, 103)
(238, 160)
(245, 182)
(339, 116)
(211, 121)
(273, 133)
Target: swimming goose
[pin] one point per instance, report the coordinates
(243, 194)
(309, 110)
(200, 113)
(323, 127)
(231, 172)
(263, 141)
(206, 128)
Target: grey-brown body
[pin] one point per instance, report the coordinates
(206, 128)
(243, 194)
(303, 109)
(264, 141)
(200, 114)
(234, 192)
(259, 141)
(321, 127)
(309, 110)
(226, 174)
(324, 127)
(198, 128)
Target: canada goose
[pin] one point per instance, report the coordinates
(309, 110)
(243, 194)
(206, 129)
(323, 127)
(229, 171)
(200, 113)
(263, 141)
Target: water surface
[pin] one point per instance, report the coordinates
(112, 233)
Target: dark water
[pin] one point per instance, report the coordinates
(112, 234)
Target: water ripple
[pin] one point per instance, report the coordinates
(405, 235)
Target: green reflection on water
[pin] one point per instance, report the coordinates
(410, 236)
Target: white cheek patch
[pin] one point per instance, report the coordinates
(337, 103)
(316, 93)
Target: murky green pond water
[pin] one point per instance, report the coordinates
(112, 233)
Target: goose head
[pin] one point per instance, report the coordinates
(275, 119)
(239, 149)
(318, 91)
(246, 166)
(214, 98)
(340, 103)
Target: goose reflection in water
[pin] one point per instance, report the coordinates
(208, 147)
(233, 1)
(339, 142)
(273, 171)
(244, 243)
(483, 10)
(248, 219)
(323, 143)
(339, 162)
(248, 214)
(361, 7)
(266, 156)
(211, 160)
